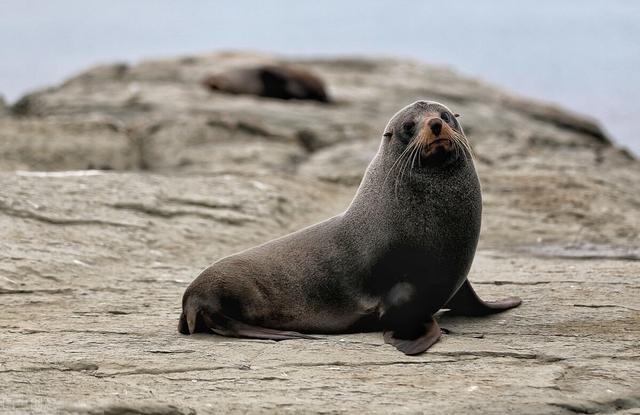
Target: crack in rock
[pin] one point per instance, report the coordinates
(364, 364)
(170, 351)
(36, 291)
(205, 204)
(237, 219)
(606, 306)
(70, 367)
(506, 282)
(131, 409)
(160, 371)
(515, 355)
(29, 214)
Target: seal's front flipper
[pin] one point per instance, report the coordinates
(465, 302)
(417, 345)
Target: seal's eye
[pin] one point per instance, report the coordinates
(408, 127)
(445, 117)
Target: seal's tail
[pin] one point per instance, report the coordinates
(196, 318)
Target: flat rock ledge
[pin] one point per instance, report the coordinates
(118, 186)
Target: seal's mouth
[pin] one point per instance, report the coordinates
(436, 141)
(439, 143)
(438, 152)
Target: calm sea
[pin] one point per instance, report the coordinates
(583, 54)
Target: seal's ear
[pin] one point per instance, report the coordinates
(387, 134)
(456, 115)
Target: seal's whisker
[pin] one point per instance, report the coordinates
(407, 164)
(409, 161)
(400, 168)
(398, 160)
(413, 159)
(423, 146)
(416, 154)
(458, 144)
(403, 165)
(462, 141)
(394, 164)
(458, 148)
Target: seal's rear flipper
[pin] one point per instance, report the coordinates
(226, 326)
(465, 302)
(418, 345)
(196, 317)
(183, 327)
(189, 322)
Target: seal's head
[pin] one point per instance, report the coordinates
(429, 132)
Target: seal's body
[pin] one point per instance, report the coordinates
(272, 81)
(399, 253)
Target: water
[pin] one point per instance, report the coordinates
(583, 54)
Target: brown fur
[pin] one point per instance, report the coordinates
(272, 81)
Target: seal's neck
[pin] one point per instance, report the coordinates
(389, 198)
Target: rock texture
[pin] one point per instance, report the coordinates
(120, 185)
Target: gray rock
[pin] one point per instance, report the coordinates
(93, 263)
(3, 107)
(57, 144)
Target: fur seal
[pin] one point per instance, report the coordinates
(273, 81)
(398, 254)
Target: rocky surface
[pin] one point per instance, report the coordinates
(120, 185)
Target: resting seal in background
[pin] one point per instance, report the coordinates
(398, 254)
(272, 81)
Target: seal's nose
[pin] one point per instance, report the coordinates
(436, 126)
